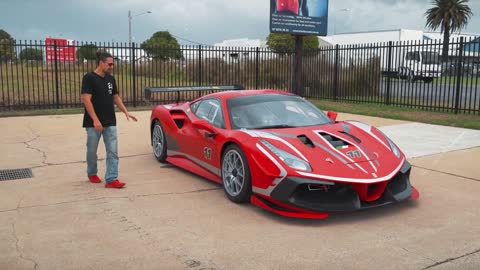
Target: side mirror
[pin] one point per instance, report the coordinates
(205, 125)
(332, 115)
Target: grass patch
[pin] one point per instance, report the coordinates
(466, 80)
(368, 109)
(401, 113)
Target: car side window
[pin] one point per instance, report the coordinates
(415, 56)
(194, 106)
(210, 110)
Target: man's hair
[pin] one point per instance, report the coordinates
(102, 56)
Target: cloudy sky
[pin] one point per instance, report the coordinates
(201, 21)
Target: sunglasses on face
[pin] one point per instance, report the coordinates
(110, 64)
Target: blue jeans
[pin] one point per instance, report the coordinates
(110, 140)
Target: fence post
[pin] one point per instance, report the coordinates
(459, 76)
(389, 71)
(335, 73)
(199, 65)
(297, 67)
(57, 93)
(257, 68)
(134, 74)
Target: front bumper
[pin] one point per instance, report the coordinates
(341, 197)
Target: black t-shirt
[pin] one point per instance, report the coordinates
(102, 90)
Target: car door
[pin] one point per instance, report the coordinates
(206, 142)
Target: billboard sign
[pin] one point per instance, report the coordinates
(65, 50)
(299, 17)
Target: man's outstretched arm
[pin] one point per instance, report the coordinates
(121, 106)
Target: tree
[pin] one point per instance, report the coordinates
(285, 43)
(7, 46)
(162, 45)
(31, 54)
(5, 35)
(87, 51)
(449, 16)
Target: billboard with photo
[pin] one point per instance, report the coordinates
(299, 17)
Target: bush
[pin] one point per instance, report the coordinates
(354, 79)
(31, 54)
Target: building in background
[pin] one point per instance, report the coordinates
(406, 36)
(395, 35)
(237, 50)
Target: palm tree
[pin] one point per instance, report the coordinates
(450, 16)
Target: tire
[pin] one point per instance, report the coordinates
(237, 188)
(403, 73)
(159, 143)
(411, 77)
(428, 80)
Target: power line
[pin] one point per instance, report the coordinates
(190, 41)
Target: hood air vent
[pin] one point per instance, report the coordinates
(357, 140)
(335, 142)
(305, 140)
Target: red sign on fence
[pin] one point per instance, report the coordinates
(65, 50)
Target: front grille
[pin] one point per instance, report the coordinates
(338, 197)
(398, 183)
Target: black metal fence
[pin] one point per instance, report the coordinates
(35, 75)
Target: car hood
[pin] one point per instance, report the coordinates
(344, 151)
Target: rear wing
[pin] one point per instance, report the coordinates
(211, 89)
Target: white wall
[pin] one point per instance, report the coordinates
(242, 42)
(373, 37)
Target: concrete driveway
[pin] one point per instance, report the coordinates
(169, 219)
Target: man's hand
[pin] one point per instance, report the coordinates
(98, 126)
(119, 102)
(129, 116)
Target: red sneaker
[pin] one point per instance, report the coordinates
(94, 179)
(115, 184)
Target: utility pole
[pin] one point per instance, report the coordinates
(130, 17)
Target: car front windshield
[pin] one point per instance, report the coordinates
(274, 111)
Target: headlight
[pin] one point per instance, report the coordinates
(289, 159)
(392, 145)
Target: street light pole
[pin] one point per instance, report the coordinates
(130, 24)
(129, 28)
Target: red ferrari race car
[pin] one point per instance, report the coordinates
(280, 152)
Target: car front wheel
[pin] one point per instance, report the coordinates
(236, 178)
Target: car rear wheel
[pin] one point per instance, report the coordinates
(159, 144)
(428, 80)
(236, 178)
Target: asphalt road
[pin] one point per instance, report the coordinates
(436, 94)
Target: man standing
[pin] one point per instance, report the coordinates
(99, 94)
